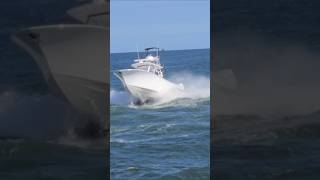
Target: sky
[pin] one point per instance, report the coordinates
(171, 25)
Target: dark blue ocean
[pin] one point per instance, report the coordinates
(167, 141)
(269, 127)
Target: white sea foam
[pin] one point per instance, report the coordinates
(72, 139)
(272, 78)
(196, 87)
(119, 97)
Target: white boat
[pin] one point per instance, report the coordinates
(73, 57)
(145, 80)
(74, 60)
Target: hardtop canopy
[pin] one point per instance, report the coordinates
(149, 48)
(152, 48)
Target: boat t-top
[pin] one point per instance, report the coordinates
(150, 63)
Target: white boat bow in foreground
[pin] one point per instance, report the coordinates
(73, 59)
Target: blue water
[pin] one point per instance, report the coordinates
(166, 141)
(273, 48)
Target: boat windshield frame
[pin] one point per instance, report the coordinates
(153, 65)
(147, 51)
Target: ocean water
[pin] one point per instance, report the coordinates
(35, 142)
(163, 141)
(269, 127)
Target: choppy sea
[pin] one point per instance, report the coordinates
(163, 141)
(269, 127)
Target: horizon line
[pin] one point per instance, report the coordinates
(164, 50)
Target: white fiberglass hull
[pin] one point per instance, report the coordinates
(73, 60)
(146, 86)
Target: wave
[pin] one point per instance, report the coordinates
(31, 116)
(72, 139)
(119, 97)
(196, 90)
(195, 86)
(272, 77)
(42, 116)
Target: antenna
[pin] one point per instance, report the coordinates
(157, 48)
(138, 52)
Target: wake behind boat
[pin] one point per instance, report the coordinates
(145, 80)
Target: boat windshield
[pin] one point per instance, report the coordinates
(151, 63)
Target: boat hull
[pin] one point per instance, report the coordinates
(73, 61)
(145, 86)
